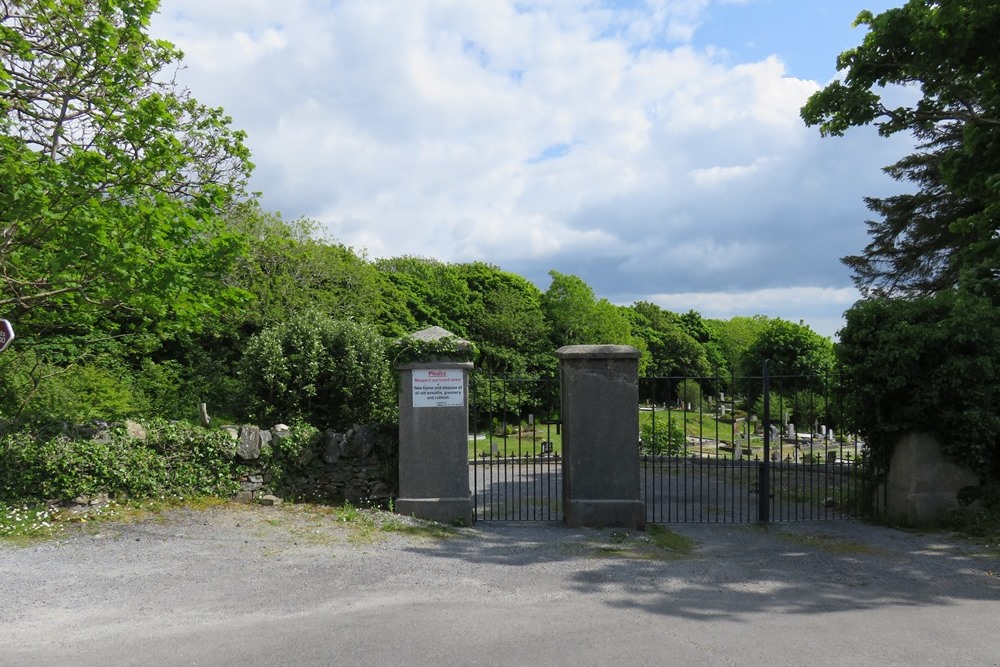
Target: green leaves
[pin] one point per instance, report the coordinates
(929, 240)
(116, 177)
(928, 364)
(330, 373)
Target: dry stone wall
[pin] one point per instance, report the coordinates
(359, 466)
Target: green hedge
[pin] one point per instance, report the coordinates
(928, 364)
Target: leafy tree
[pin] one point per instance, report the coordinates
(290, 268)
(577, 317)
(672, 351)
(946, 233)
(735, 336)
(114, 177)
(792, 349)
(699, 329)
(689, 393)
(433, 292)
(506, 321)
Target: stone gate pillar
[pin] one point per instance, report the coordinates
(434, 433)
(600, 416)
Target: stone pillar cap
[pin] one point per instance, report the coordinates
(431, 334)
(597, 352)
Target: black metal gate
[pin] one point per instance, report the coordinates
(515, 448)
(712, 449)
(762, 448)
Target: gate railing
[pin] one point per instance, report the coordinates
(515, 448)
(770, 447)
(758, 448)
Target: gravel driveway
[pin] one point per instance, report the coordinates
(240, 585)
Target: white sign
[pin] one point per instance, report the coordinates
(438, 388)
(6, 334)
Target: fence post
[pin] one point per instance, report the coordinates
(600, 415)
(763, 475)
(434, 434)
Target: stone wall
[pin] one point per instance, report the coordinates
(359, 466)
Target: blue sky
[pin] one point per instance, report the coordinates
(806, 34)
(651, 147)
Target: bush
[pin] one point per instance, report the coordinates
(312, 368)
(929, 364)
(662, 437)
(35, 390)
(175, 460)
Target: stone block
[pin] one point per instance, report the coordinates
(922, 485)
(248, 447)
(135, 430)
(362, 441)
(333, 447)
(601, 469)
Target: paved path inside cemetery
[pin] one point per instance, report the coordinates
(289, 586)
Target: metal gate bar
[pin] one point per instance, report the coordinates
(515, 462)
(699, 466)
(713, 459)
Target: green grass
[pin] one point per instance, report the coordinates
(829, 544)
(20, 525)
(524, 443)
(657, 543)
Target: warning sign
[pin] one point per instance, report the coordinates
(444, 388)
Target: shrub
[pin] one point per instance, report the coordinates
(928, 364)
(175, 460)
(662, 436)
(312, 368)
(36, 390)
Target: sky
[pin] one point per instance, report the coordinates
(651, 147)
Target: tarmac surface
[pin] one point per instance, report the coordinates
(242, 585)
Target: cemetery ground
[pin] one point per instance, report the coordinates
(214, 584)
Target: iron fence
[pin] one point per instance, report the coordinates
(515, 448)
(711, 449)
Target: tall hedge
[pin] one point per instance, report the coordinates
(928, 364)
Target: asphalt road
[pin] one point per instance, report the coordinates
(286, 586)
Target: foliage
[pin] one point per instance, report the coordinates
(945, 233)
(777, 410)
(792, 349)
(734, 337)
(174, 460)
(689, 393)
(35, 390)
(662, 436)
(506, 321)
(929, 364)
(113, 176)
(448, 348)
(432, 291)
(671, 350)
(291, 268)
(577, 317)
(313, 368)
(289, 456)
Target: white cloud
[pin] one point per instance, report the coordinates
(586, 137)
